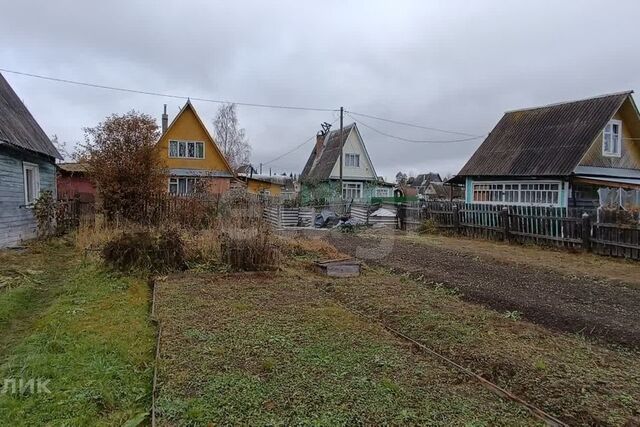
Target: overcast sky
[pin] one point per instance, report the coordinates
(444, 64)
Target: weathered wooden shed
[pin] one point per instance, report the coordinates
(27, 167)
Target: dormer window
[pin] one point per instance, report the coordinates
(612, 139)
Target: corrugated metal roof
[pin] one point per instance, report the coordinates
(319, 168)
(74, 167)
(18, 127)
(543, 141)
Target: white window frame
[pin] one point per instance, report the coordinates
(175, 180)
(186, 149)
(517, 186)
(351, 187)
(352, 160)
(35, 170)
(382, 189)
(615, 151)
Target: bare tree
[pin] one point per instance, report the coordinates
(60, 146)
(230, 137)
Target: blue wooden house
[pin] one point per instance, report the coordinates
(27, 167)
(562, 155)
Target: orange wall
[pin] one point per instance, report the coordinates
(255, 186)
(219, 185)
(188, 127)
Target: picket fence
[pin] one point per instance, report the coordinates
(565, 227)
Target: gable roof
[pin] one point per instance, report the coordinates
(424, 179)
(74, 167)
(319, 165)
(439, 190)
(206, 131)
(18, 127)
(547, 141)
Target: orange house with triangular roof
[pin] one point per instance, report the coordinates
(191, 154)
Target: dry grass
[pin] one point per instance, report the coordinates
(95, 236)
(251, 249)
(300, 246)
(238, 240)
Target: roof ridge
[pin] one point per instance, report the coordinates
(555, 104)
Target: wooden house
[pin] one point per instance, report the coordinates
(27, 167)
(275, 185)
(418, 185)
(73, 182)
(191, 155)
(320, 178)
(560, 155)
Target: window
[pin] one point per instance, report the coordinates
(186, 149)
(511, 193)
(31, 182)
(382, 192)
(182, 186)
(352, 190)
(352, 160)
(612, 139)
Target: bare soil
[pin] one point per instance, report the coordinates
(574, 293)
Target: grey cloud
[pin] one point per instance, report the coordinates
(454, 65)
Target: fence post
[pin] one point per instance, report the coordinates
(402, 215)
(586, 232)
(456, 219)
(504, 213)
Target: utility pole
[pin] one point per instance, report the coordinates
(341, 150)
(260, 168)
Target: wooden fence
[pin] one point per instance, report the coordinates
(530, 224)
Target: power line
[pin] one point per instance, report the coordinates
(164, 95)
(294, 148)
(414, 141)
(410, 124)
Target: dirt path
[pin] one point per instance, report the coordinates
(606, 309)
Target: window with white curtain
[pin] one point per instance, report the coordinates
(352, 160)
(612, 139)
(186, 149)
(182, 186)
(31, 175)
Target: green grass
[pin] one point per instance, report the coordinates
(267, 350)
(578, 380)
(84, 330)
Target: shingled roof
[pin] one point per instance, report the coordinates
(18, 127)
(543, 141)
(319, 165)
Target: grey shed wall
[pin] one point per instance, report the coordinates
(16, 221)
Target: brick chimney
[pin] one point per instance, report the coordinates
(319, 142)
(165, 120)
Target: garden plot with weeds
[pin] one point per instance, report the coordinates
(292, 347)
(267, 349)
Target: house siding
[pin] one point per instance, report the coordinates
(630, 149)
(187, 126)
(353, 145)
(17, 222)
(330, 190)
